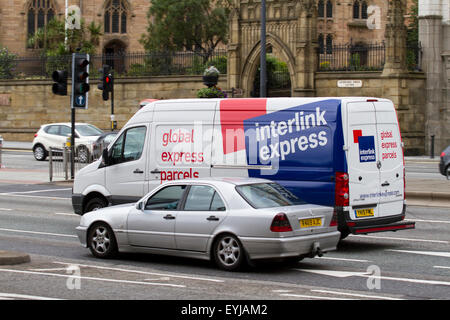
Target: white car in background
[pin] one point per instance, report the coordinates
(54, 135)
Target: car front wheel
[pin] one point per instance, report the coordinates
(101, 241)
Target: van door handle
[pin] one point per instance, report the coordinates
(169, 217)
(155, 171)
(138, 171)
(212, 218)
(385, 184)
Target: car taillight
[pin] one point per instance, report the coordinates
(334, 221)
(442, 154)
(280, 223)
(341, 194)
(35, 135)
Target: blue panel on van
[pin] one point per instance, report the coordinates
(304, 147)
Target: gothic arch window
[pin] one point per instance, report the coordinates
(321, 44)
(329, 9)
(356, 10)
(39, 13)
(329, 44)
(116, 16)
(360, 9)
(321, 9)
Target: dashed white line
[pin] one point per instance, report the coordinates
(142, 272)
(11, 296)
(304, 296)
(400, 239)
(355, 294)
(39, 232)
(427, 253)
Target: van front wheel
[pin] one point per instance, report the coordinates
(95, 204)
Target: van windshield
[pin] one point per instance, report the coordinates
(268, 195)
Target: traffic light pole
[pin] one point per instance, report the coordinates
(72, 145)
(112, 108)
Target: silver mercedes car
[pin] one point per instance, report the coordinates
(230, 221)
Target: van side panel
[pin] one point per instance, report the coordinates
(302, 146)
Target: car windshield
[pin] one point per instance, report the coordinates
(88, 130)
(268, 195)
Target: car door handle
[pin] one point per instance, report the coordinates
(169, 217)
(138, 171)
(385, 184)
(212, 218)
(155, 171)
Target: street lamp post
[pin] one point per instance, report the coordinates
(263, 72)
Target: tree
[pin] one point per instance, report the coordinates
(192, 25)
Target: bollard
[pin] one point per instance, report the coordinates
(1, 149)
(432, 147)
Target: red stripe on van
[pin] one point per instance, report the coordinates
(233, 112)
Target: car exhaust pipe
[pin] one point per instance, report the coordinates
(316, 251)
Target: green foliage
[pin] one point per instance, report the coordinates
(219, 62)
(7, 64)
(212, 92)
(191, 25)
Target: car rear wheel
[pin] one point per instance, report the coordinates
(39, 152)
(228, 252)
(101, 241)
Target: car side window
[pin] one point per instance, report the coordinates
(129, 146)
(203, 198)
(65, 131)
(166, 198)
(52, 130)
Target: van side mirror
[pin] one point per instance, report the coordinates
(105, 157)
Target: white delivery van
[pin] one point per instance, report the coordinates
(341, 152)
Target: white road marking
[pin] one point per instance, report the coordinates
(38, 232)
(355, 294)
(66, 214)
(303, 296)
(34, 197)
(93, 278)
(344, 274)
(5, 209)
(400, 239)
(341, 259)
(10, 296)
(428, 253)
(141, 272)
(428, 221)
(36, 191)
(441, 267)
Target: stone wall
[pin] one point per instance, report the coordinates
(407, 94)
(27, 104)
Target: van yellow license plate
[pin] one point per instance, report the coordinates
(360, 213)
(312, 222)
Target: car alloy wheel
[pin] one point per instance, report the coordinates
(39, 153)
(102, 242)
(228, 252)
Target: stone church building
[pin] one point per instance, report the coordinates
(124, 21)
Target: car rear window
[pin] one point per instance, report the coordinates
(88, 130)
(268, 195)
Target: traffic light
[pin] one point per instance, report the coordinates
(106, 82)
(80, 80)
(59, 86)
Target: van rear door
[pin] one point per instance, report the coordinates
(390, 160)
(363, 158)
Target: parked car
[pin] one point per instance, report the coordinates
(102, 142)
(226, 220)
(444, 164)
(54, 135)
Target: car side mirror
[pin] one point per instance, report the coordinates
(140, 205)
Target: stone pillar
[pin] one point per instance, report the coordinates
(233, 49)
(306, 49)
(430, 37)
(395, 37)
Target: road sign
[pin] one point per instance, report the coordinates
(80, 101)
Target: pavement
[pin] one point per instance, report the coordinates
(419, 191)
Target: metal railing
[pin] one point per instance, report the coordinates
(60, 163)
(138, 64)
